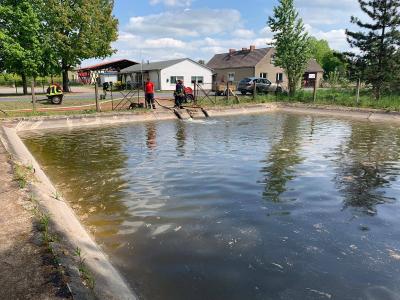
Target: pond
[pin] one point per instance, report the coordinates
(269, 206)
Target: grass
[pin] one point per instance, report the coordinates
(347, 97)
(85, 273)
(337, 97)
(26, 114)
(22, 174)
(50, 113)
(22, 103)
(57, 195)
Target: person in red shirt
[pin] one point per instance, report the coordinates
(149, 93)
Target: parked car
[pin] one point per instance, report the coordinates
(263, 85)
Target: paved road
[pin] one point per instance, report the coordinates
(77, 94)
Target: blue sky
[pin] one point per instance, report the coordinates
(166, 29)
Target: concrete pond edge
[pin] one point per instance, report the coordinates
(368, 114)
(109, 282)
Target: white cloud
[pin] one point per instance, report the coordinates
(243, 33)
(172, 3)
(190, 23)
(201, 33)
(335, 37)
(326, 12)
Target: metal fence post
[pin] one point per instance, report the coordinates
(227, 91)
(112, 97)
(255, 90)
(315, 91)
(96, 91)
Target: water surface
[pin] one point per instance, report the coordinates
(274, 206)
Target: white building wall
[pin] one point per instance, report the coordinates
(154, 77)
(107, 77)
(187, 69)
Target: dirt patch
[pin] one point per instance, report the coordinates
(27, 269)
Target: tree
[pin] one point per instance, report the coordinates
(320, 49)
(21, 38)
(377, 43)
(81, 29)
(291, 42)
(329, 59)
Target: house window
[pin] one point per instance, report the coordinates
(197, 79)
(231, 76)
(279, 77)
(174, 79)
(264, 75)
(273, 59)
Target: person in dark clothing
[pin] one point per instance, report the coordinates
(149, 94)
(179, 94)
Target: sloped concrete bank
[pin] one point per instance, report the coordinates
(109, 283)
(368, 114)
(107, 119)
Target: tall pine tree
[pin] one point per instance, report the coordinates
(291, 42)
(377, 42)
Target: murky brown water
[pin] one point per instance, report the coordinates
(273, 206)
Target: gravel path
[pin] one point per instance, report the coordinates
(26, 269)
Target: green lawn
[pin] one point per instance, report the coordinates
(26, 104)
(337, 97)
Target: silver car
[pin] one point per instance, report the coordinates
(263, 85)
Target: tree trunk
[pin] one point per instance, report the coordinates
(33, 95)
(65, 78)
(292, 87)
(377, 92)
(24, 84)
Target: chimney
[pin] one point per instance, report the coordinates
(231, 51)
(252, 47)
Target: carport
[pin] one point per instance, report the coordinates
(89, 74)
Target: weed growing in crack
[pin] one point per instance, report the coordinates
(57, 195)
(85, 273)
(21, 175)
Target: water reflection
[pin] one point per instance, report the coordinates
(196, 228)
(364, 169)
(151, 135)
(96, 189)
(180, 136)
(282, 159)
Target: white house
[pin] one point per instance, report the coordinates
(108, 77)
(165, 74)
